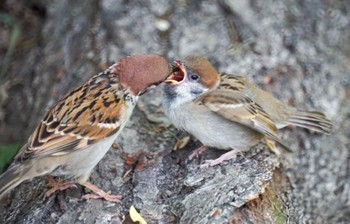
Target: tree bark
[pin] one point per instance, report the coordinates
(298, 50)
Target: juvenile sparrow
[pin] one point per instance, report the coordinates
(226, 111)
(78, 131)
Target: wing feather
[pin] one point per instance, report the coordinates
(237, 107)
(87, 114)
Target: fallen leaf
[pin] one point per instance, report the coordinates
(215, 212)
(135, 216)
(268, 79)
(182, 143)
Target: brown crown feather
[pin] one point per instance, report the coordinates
(141, 71)
(201, 66)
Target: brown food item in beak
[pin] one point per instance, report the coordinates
(178, 74)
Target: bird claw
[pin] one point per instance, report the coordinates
(205, 165)
(211, 162)
(98, 193)
(106, 196)
(224, 157)
(59, 187)
(197, 152)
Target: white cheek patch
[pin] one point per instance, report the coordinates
(184, 91)
(187, 92)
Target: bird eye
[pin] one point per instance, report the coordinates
(194, 77)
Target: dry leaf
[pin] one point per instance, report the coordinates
(268, 79)
(135, 216)
(182, 143)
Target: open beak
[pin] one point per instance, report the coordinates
(178, 74)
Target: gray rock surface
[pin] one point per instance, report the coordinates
(298, 50)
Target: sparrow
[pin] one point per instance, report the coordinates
(78, 131)
(226, 111)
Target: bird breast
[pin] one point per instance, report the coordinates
(210, 128)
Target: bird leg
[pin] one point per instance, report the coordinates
(98, 193)
(197, 152)
(226, 156)
(57, 186)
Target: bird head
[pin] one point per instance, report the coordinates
(139, 72)
(191, 78)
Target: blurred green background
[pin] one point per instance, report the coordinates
(7, 151)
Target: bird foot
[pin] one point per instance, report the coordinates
(98, 193)
(56, 186)
(197, 152)
(224, 157)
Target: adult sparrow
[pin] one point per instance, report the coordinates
(78, 131)
(226, 111)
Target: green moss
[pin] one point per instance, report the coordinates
(277, 210)
(7, 152)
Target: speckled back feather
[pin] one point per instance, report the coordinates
(87, 114)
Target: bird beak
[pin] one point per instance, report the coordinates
(178, 73)
(147, 89)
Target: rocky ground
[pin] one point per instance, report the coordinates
(298, 50)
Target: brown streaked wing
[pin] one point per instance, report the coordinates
(232, 82)
(77, 121)
(237, 107)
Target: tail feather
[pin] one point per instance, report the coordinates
(12, 178)
(315, 121)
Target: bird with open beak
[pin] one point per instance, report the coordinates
(226, 111)
(78, 131)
